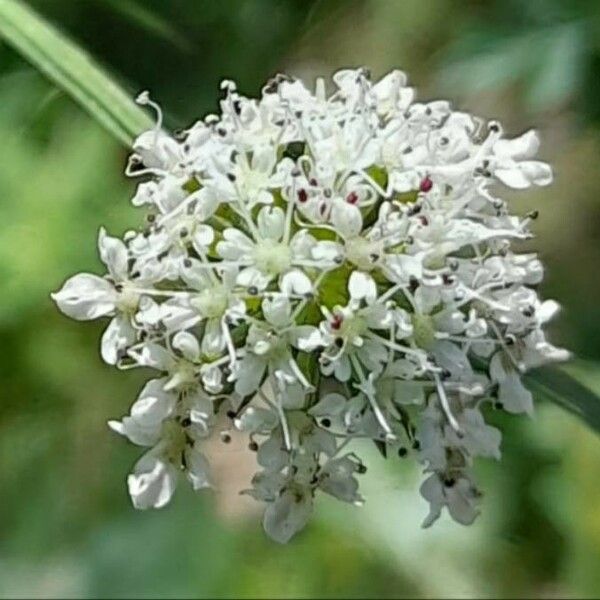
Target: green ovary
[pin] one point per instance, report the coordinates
(211, 303)
(423, 330)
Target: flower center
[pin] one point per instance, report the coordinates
(349, 328)
(128, 299)
(363, 253)
(211, 303)
(272, 258)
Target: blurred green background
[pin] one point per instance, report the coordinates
(67, 528)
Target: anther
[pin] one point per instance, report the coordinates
(426, 184)
(352, 198)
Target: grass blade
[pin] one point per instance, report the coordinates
(555, 384)
(71, 69)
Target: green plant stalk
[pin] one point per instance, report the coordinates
(72, 70)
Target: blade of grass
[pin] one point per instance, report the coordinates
(71, 69)
(152, 22)
(555, 384)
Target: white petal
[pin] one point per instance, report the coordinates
(329, 405)
(152, 483)
(85, 297)
(197, 469)
(256, 419)
(249, 375)
(203, 237)
(270, 222)
(306, 338)
(188, 345)
(362, 286)
(277, 310)
(114, 255)
(118, 336)
(287, 515)
(524, 146)
(295, 282)
(346, 218)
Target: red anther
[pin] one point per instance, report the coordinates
(352, 198)
(336, 322)
(423, 220)
(302, 195)
(426, 185)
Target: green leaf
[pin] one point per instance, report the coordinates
(71, 69)
(555, 384)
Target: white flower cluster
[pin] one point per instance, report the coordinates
(318, 269)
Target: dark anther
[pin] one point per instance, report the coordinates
(449, 482)
(428, 111)
(445, 374)
(119, 287)
(416, 445)
(402, 452)
(187, 263)
(374, 257)
(326, 422)
(338, 260)
(186, 422)
(352, 198)
(271, 87)
(444, 141)
(413, 283)
(222, 132)
(447, 279)
(362, 469)
(237, 107)
(183, 232)
(253, 446)
(231, 177)
(339, 342)
(253, 290)
(498, 405)
(231, 414)
(423, 220)
(151, 218)
(302, 195)
(407, 150)
(534, 214)
(426, 184)
(313, 181)
(225, 437)
(529, 311)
